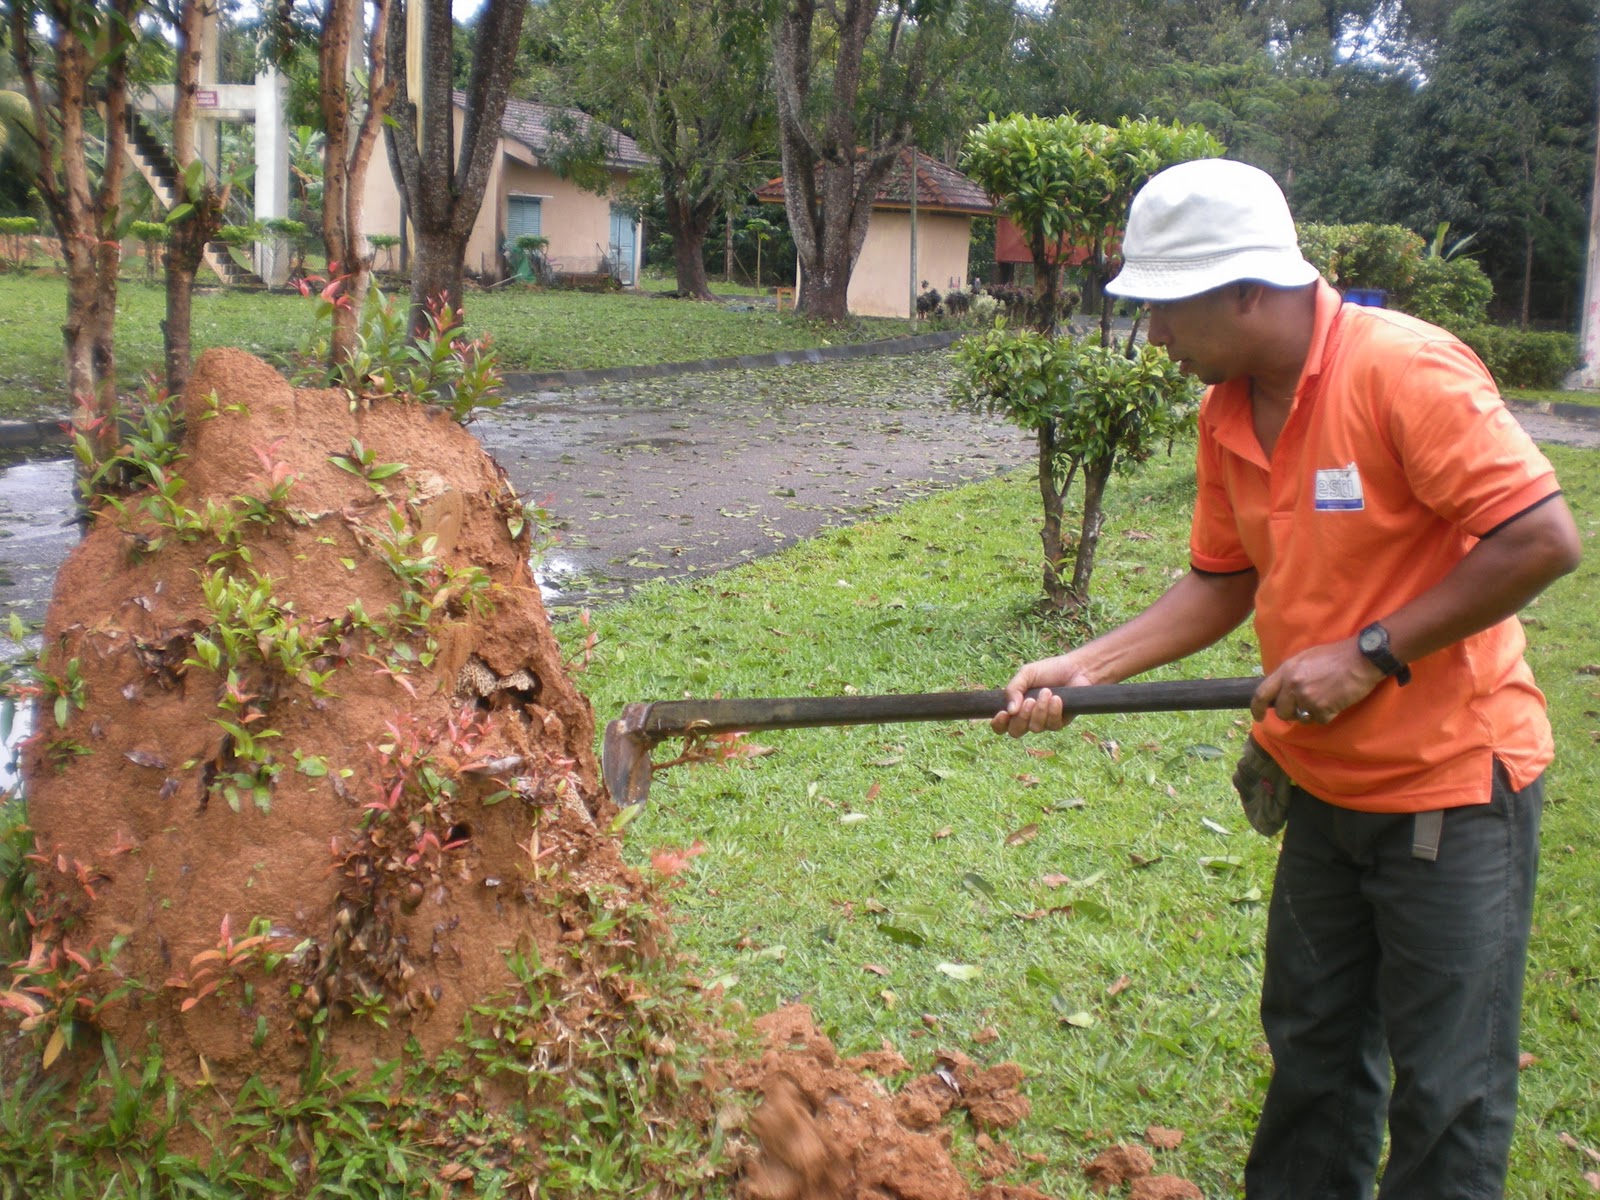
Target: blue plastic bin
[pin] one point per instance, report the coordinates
(1367, 297)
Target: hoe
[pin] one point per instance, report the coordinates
(625, 753)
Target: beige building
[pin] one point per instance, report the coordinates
(880, 285)
(588, 234)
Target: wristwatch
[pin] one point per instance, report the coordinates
(1373, 641)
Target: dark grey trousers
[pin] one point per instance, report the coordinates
(1378, 958)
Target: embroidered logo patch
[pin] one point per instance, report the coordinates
(1339, 489)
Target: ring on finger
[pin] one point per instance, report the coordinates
(1302, 714)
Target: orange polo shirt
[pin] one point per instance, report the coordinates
(1397, 456)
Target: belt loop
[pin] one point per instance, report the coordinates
(1425, 830)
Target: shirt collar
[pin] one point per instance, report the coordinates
(1226, 407)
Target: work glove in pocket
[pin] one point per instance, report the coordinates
(1263, 788)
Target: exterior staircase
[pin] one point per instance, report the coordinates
(150, 156)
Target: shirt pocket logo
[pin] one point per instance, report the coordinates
(1339, 490)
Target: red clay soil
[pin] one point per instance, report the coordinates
(429, 795)
(829, 1129)
(126, 803)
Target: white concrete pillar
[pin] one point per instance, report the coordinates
(207, 129)
(272, 171)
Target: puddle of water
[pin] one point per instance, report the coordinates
(21, 726)
(555, 573)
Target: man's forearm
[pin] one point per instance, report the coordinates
(1194, 612)
(1498, 577)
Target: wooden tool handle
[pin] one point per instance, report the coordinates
(666, 718)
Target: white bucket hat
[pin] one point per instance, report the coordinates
(1202, 224)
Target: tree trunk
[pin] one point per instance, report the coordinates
(176, 327)
(688, 223)
(83, 207)
(1054, 497)
(436, 275)
(187, 238)
(828, 185)
(1096, 474)
(347, 153)
(441, 190)
(1527, 280)
(90, 358)
(1046, 286)
(689, 264)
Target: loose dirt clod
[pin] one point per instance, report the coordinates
(1163, 1187)
(1163, 1138)
(826, 1132)
(1117, 1165)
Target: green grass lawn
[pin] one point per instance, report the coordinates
(1101, 885)
(533, 331)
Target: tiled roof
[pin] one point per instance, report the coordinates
(530, 123)
(940, 188)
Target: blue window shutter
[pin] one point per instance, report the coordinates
(523, 217)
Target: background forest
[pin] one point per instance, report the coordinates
(1469, 119)
(1479, 113)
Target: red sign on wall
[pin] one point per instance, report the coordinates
(205, 97)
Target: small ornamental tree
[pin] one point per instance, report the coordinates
(152, 234)
(1092, 404)
(1094, 409)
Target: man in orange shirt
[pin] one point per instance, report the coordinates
(1363, 490)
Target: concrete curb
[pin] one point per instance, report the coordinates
(522, 382)
(1582, 414)
(29, 435)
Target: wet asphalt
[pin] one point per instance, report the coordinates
(656, 479)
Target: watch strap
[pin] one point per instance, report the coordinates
(1380, 655)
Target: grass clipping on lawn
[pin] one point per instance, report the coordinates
(320, 831)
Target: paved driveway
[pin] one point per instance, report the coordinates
(658, 478)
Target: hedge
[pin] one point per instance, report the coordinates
(1523, 358)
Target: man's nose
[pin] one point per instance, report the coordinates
(1156, 332)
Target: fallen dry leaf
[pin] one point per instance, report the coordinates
(1526, 1060)
(1027, 780)
(1021, 837)
(1035, 914)
(1055, 881)
(1572, 1143)
(1040, 752)
(1122, 984)
(1592, 1178)
(872, 792)
(940, 834)
(986, 1035)
(875, 968)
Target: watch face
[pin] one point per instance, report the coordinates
(1371, 639)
